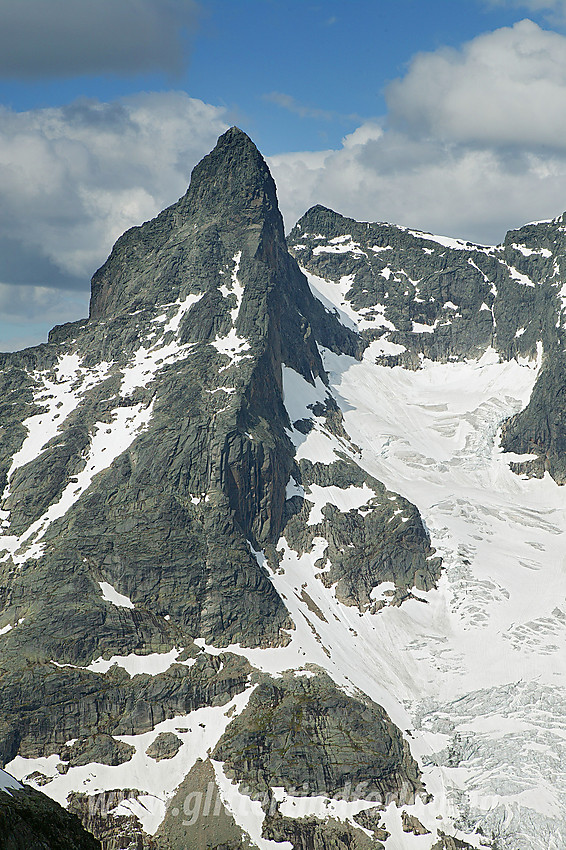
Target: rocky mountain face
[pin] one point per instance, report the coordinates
(266, 574)
(422, 296)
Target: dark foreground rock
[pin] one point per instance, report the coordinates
(31, 821)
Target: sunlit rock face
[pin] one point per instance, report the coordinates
(268, 578)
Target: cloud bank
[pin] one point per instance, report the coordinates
(73, 178)
(49, 38)
(474, 143)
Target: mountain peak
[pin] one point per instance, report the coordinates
(235, 136)
(234, 178)
(231, 191)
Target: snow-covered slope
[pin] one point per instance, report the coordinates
(483, 664)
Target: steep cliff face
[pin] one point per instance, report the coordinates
(436, 297)
(420, 296)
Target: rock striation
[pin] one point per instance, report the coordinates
(423, 296)
(146, 463)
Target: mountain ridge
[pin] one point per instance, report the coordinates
(230, 534)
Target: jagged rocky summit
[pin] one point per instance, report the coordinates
(244, 515)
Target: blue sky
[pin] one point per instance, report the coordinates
(333, 59)
(446, 115)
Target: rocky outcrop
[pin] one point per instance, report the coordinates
(44, 707)
(440, 298)
(305, 733)
(313, 834)
(165, 746)
(423, 296)
(385, 541)
(540, 429)
(197, 818)
(31, 821)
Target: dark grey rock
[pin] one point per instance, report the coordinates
(197, 818)
(385, 542)
(101, 748)
(413, 825)
(469, 296)
(114, 832)
(306, 734)
(313, 834)
(43, 707)
(540, 429)
(172, 522)
(31, 821)
(372, 819)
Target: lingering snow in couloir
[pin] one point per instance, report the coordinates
(478, 674)
(334, 298)
(236, 289)
(110, 594)
(109, 440)
(492, 638)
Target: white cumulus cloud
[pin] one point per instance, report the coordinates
(506, 87)
(73, 178)
(474, 143)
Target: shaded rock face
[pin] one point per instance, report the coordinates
(440, 298)
(63, 705)
(313, 834)
(197, 818)
(386, 542)
(31, 821)
(540, 429)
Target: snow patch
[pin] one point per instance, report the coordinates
(345, 500)
(518, 276)
(294, 489)
(198, 731)
(136, 665)
(109, 440)
(247, 813)
(528, 252)
(8, 783)
(110, 594)
(233, 347)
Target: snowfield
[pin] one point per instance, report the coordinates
(482, 667)
(477, 675)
